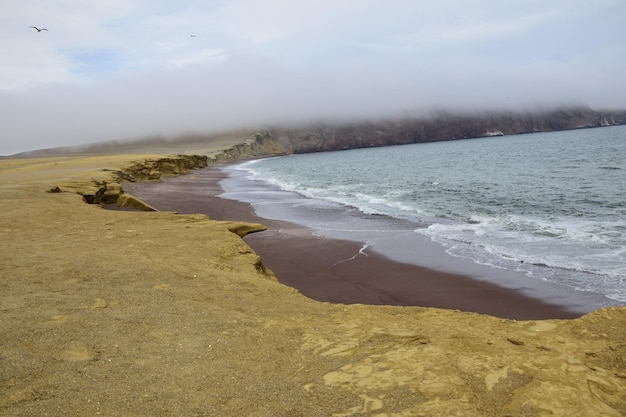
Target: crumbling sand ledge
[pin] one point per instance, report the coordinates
(144, 314)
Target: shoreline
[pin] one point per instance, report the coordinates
(340, 271)
(107, 311)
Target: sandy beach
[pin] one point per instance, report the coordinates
(114, 313)
(334, 270)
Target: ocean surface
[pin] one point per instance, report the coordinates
(537, 208)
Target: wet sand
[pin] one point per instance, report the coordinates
(338, 271)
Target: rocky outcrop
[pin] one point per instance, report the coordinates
(258, 145)
(106, 193)
(155, 168)
(131, 202)
(151, 169)
(242, 229)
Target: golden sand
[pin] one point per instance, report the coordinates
(157, 314)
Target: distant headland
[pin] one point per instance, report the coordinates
(439, 126)
(324, 136)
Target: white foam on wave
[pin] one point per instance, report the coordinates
(588, 272)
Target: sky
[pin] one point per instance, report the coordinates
(124, 69)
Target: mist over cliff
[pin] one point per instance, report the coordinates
(439, 126)
(330, 136)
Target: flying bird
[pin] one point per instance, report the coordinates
(193, 36)
(39, 30)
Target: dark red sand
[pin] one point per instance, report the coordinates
(328, 270)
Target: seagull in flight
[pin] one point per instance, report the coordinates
(39, 30)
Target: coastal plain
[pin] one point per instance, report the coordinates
(153, 313)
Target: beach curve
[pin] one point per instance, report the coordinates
(166, 314)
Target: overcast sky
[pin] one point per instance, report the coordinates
(116, 69)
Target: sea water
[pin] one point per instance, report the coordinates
(549, 207)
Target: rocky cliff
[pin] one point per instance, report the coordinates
(318, 137)
(258, 145)
(439, 126)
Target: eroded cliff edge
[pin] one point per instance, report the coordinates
(147, 169)
(109, 191)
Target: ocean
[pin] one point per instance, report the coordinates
(536, 208)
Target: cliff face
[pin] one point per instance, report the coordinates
(259, 144)
(438, 127)
(441, 126)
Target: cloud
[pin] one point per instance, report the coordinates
(121, 69)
